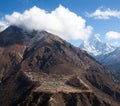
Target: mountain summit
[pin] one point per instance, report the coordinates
(41, 69)
(94, 46)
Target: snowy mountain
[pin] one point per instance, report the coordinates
(111, 61)
(106, 54)
(94, 46)
(3, 26)
(111, 57)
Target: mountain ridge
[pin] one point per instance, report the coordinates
(51, 72)
(104, 53)
(94, 46)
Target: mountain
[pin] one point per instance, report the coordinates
(111, 61)
(104, 53)
(41, 69)
(94, 46)
(3, 26)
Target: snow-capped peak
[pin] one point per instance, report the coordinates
(3, 26)
(97, 37)
(95, 46)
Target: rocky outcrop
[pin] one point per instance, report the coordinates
(63, 99)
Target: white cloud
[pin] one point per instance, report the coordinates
(112, 35)
(104, 14)
(60, 21)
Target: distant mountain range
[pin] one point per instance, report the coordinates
(105, 53)
(95, 47)
(41, 69)
(112, 61)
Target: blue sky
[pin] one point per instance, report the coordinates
(106, 23)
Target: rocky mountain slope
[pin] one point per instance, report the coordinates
(41, 69)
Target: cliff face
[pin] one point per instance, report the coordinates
(63, 99)
(41, 69)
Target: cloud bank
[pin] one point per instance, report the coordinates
(60, 21)
(104, 14)
(112, 35)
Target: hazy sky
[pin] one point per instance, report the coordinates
(73, 20)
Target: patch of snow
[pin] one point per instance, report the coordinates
(94, 46)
